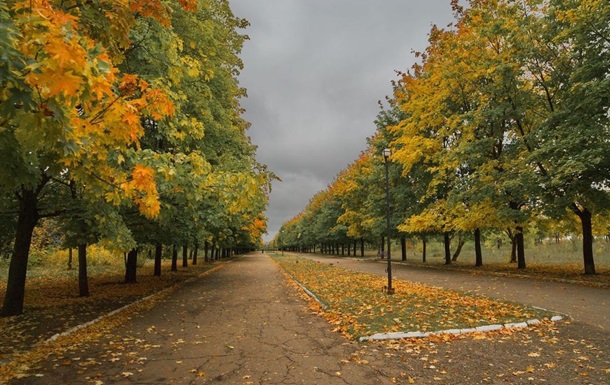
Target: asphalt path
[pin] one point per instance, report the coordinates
(590, 305)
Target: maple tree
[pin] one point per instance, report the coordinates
(122, 144)
(500, 126)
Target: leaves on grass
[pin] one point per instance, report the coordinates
(357, 305)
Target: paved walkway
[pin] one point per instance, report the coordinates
(585, 304)
(243, 324)
(240, 325)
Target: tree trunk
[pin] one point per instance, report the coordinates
(69, 258)
(587, 239)
(513, 247)
(15, 285)
(382, 254)
(158, 256)
(403, 247)
(206, 250)
(477, 248)
(174, 258)
(195, 250)
(185, 256)
(447, 241)
(423, 253)
(83, 281)
(520, 248)
(131, 266)
(458, 250)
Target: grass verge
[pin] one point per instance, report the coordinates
(357, 306)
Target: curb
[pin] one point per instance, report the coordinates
(116, 311)
(480, 329)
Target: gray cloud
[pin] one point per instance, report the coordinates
(314, 71)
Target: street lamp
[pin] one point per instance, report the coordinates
(386, 157)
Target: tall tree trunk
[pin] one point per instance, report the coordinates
(587, 238)
(361, 247)
(15, 285)
(458, 250)
(185, 256)
(447, 242)
(158, 256)
(513, 246)
(403, 247)
(477, 248)
(174, 258)
(69, 258)
(520, 248)
(195, 250)
(206, 250)
(382, 253)
(83, 280)
(131, 266)
(423, 253)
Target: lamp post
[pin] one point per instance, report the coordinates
(386, 159)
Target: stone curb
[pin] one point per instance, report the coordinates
(480, 329)
(121, 309)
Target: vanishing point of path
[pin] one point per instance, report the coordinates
(244, 324)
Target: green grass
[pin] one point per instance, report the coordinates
(358, 307)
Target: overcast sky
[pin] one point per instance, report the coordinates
(314, 72)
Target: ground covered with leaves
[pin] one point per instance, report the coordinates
(53, 305)
(563, 353)
(356, 304)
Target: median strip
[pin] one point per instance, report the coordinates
(356, 305)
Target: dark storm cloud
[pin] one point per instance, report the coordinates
(314, 71)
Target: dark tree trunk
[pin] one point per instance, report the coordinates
(382, 254)
(206, 250)
(185, 256)
(447, 241)
(15, 285)
(69, 258)
(587, 238)
(83, 281)
(403, 247)
(477, 248)
(174, 258)
(131, 266)
(423, 253)
(458, 250)
(520, 248)
(513, 247)
(195, 250)
(158, 256)
(361, 247)
(349, 249)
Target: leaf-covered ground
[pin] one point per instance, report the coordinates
(358, 306)
(52, 303)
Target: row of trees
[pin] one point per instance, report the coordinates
(121, 119)
(503, 125)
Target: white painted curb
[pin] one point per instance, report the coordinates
(482, 329)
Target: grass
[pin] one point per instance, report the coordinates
(356, 307)
(546, 261)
